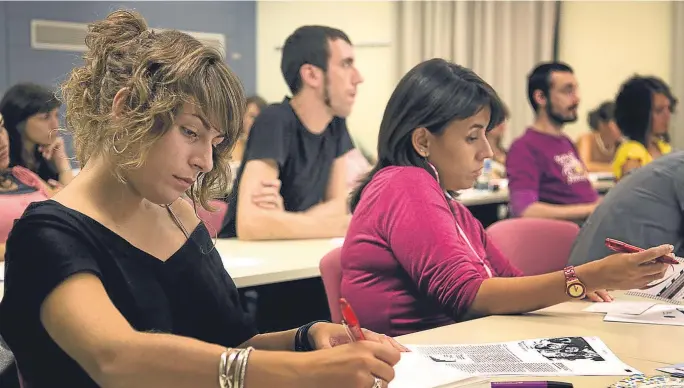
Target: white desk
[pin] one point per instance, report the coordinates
(644, 347)
(265, 262)
(473, 197)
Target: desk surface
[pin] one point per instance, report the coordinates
(644, 347)
(265, 262)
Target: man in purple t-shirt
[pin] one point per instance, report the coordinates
(546, 177)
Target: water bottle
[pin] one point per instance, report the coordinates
(482, 182)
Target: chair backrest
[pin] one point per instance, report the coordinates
(535, 245)
(213, 220)
(331, 273)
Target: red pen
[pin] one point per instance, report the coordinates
(623, 247)
(350, 322)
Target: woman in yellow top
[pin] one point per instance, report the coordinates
(642, 111)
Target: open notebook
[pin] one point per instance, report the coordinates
(417, 371)
(669, 289)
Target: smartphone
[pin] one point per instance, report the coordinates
(623, 247)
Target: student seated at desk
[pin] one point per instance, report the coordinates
(255, 105)
(299, 146)
(495, 139)
(643, 109)
(597, 148)
(546, 178)
(115, 282)
(18, 188)
(414, 258)
(645, 209)
(30, 113)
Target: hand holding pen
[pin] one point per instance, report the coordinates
(350, 357)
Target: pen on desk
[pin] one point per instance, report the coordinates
(680, 310)
(530, 384)
(351, 322)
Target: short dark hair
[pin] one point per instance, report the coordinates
(540, 79)
(432, 95)
(603, 114)
(634, 102)
(308, 45)
(258, 101)
(20, 102)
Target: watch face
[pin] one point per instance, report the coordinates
(576, 290)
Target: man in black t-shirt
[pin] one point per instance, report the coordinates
(300, 142)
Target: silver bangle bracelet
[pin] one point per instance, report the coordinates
(227, 365)
(222, 369)
(243, 371)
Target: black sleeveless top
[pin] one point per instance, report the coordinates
(190, 294)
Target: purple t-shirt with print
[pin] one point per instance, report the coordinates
(546, 168)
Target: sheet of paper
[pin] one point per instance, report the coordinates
(660, 314)
(620, 307)
(417, 371)
(337, 241)
(565, 356)
(677, 370)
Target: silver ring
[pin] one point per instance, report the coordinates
(377, 383)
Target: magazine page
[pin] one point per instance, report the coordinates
(564, 356)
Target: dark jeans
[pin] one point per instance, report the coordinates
(284, 306)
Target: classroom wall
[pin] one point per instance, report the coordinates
(3, 46)
(608, 41)
(365, 23)
(604, 41)
(20, 63)
(236, 20)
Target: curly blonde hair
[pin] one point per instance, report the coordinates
(161, 71)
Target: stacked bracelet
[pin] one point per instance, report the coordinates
(302, 343)
(233, 368)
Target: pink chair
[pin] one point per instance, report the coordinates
(213, 220)
(331, 273)
(535, 245)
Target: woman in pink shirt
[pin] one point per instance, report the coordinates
(18, 188)
(414, 258)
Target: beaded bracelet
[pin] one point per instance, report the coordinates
(301, 343)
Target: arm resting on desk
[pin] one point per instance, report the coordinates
(82, 320)
(256, 223)
(563, 212)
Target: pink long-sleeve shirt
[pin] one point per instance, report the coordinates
(405, 265)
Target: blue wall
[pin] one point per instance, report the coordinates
(19, 62)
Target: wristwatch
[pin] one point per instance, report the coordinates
(573, 286)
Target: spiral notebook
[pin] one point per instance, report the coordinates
(669, 289)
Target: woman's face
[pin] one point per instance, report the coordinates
(459, 152)
(610, 131)
(498, 131)
(163, 179)
(40, 127)
(660, 114)
(4, 146)
(247, 122)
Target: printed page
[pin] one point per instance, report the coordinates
(566, 356)
(668, 289)
(660, 314)
(417, 371)
(619, 307)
